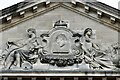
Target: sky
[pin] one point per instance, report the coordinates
(7, 3)
(113, 3)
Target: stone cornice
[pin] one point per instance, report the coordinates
(57, 5)
(10, 25)
(93, 18)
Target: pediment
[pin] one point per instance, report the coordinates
(59, 31)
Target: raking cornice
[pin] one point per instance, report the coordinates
(57, 5)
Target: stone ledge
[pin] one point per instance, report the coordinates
(59, 73)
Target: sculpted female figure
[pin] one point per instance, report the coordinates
(28, 51)
(92, 53)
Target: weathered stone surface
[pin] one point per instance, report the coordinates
(43, 24)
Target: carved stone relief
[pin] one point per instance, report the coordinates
(60, 47)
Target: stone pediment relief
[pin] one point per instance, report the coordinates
(60, 47)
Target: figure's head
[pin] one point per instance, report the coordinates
(61, 40)
(44, 42)
(88, 32)
(31, 32)
(77, 42)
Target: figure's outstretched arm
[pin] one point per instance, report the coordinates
(95, 46)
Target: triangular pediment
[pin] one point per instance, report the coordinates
(58, 30)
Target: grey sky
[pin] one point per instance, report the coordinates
(7, 3)
(113, 3)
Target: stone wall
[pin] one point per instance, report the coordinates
(43, 22)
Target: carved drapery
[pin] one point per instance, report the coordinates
(60, 47)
